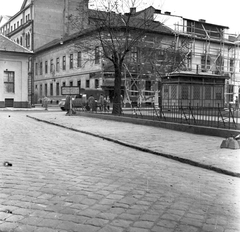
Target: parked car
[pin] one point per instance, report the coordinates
(75, 102)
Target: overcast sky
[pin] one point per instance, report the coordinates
(221, 12)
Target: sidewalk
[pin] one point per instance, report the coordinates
(198, 150)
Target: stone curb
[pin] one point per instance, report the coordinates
(189, 128)
(169, 156)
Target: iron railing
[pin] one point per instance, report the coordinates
(186, 114)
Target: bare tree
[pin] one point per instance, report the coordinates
(116, 34)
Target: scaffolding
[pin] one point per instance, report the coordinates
(210, 52)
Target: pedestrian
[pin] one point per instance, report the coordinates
(106, 104)
(45, 103)
(67, 105)
(236, 103)
(91, 102)
(101, 102)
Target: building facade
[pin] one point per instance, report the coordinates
(62, 64)
(46, 28)
(15, 90)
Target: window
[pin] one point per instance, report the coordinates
(87, 83)
(230, 89)
(51, 89)
(27, 37)
(148, 86)
(9, 81)
(51, 65)
(184, 92)
(41, 68)
(219, 94)
(134, 55)
(79, 59)
(21, 22)
(64, 83)
(57, 89)
(97, 55)
(96, 83)
(21, 40)
(196, 92)
(46, 66)
(205, 63)
(17, 41)
(17, 24)
(64, 63)
(46, 90)
(41, 91)
(79, 83)
(71, 61)
(57, 64)
(208, 92)
(231, 65)
(71, 83)
(189, 61)
(174, 91)
(36, 68)
(166, 92)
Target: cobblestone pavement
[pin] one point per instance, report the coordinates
(199, 148)
(67, 181)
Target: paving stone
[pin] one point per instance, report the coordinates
(67, 179)
(121, 223)
(25, 228)
(110, 228)
(161, 229)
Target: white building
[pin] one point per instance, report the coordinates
(15, 87)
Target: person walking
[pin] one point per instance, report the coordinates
(91, 102)
(101, 102)
(45, 103)
(67, 105)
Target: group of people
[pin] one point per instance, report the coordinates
(103, 103)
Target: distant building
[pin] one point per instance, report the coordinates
(212, 61)
(15, 90)
(211, 66)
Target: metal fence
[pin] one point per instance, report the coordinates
(192, 115)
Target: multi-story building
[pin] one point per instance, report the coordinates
(41, 21)
(45, 27)
(213, 54)
(60, 63)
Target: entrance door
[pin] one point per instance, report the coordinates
(9, 102)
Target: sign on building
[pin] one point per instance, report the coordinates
(70, 90)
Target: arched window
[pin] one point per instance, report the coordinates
(17, 40)
(28, 39)
(21, 40)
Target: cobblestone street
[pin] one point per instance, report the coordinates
(64, 181)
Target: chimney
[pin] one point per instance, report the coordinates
(202, 20)
(167, 13)
(157, 11)
(133, 10)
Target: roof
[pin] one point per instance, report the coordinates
(8, 45)
(135, 23)
(204, 22)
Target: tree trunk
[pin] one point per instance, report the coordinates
(117, 101)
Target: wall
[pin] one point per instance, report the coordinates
(62, 76)
(17, 64)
